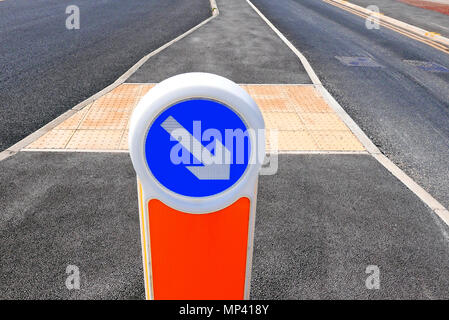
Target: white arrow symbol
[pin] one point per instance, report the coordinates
(216, 167)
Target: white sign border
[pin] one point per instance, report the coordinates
(184, 87)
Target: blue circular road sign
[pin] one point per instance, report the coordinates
(197, 148)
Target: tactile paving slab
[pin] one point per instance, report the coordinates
(298, 113)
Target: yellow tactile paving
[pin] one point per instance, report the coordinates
(124, 141)
(74, 121)
(301, 117)
(296, 141)
(113, 101)
(318, 106)
(54, 139)
(129, 90)
(105, 119)
(322, 121)
(275, 104)
(336, 141)
(262, 90)
(95, 140)
(146, 88)
(283, 121)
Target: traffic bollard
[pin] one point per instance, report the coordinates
(197, 143)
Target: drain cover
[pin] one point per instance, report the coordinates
(358, 61)
(427, 66)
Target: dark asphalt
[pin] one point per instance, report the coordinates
(47, 69)
(426, 19)
(237, 45)
(69, 209)
(321, 220)
(402, 108)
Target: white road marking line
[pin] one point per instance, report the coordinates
(425, 197)
(49, 126)
(268, 152)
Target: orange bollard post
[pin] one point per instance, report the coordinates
(197, 144)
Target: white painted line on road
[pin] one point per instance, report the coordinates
(49, 126)
(326, 95)
(444, 215)
(303, 59)
(430, 201)
(37, 134)
(405, 26)
(346, 118)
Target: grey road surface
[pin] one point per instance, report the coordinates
(429, 20)
(321, 221)
(47, 69)
(397, 92)
(237, 45)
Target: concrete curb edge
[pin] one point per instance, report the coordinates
(430, 201)
(55, 122)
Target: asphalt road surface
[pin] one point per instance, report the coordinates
(401, 102)
(321, 220)
(246, 51)
(46, 69)
(426, 19)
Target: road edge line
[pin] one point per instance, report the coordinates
(214, 8)
(315, 80)
(397, 172)
(367, 143)
(419, 191)
(15, 148)
(398, 23)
